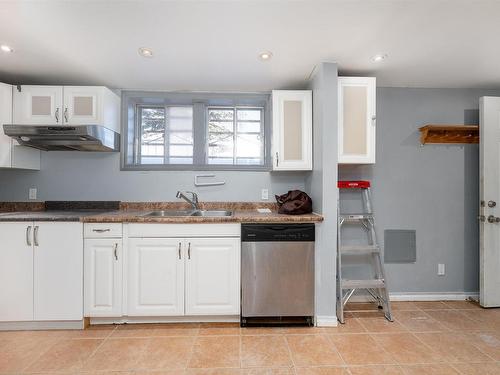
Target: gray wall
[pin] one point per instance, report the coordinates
(97, 176)
(321, 184)
(432, 189)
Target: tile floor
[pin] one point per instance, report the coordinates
(426, 338)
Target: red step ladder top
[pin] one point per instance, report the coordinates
(353, 184)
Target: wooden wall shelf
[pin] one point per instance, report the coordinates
(443, 134)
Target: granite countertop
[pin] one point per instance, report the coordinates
(132, 212)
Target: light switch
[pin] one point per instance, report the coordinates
(441, 269)
(32, 193)
(264, 194)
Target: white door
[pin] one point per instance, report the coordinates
(213, 276)
(155, 277)
(58, 270)
(356, 120)
(82, 105)
(5, 118)
(292, 130)
(103, 262)
(16, 271)
(38, 105)
(489, 191)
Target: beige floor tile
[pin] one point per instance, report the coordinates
(18, 353)
(437, 369)
(419, 321)
(120, 354)
(452, 347)
(252, 331)
(404, 306)
(66, 355)
(406, 348)
(213, 371)
(215, 351)
(487, 342)
(361, 350)
(431, 305)
(351, 325)
(376, 370)
(313, 350)
(381, 325)
(268, 371)
(327, 370)
(93, 332)
(463, 305)
(490, 318)
(167, 353)
(214, 329)
(361, 306)
(477, 368)
(307, 330)
(457, 321)
(265, 351)
(156, 330)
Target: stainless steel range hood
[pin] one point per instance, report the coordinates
(65, 138)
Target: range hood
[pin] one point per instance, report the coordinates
(65, 138)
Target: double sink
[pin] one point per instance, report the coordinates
(177, 213)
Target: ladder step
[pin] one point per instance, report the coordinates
(363, 284)
(355, 217)
(359, 249)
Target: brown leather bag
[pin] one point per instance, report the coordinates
(295, 202)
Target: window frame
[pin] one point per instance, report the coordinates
(200, 102)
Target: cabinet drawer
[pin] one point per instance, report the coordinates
(102, 230)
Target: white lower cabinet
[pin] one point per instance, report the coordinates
(103, 260)
(213, 276)
(41, 271)
(155, 277)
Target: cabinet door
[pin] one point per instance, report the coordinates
(82, 105)
(213, 276)
(357, 115)
(58, 271)
(155, 277)
(38, 105)
(5, 118)
(292, 130)
(103, 262)
(16, 271)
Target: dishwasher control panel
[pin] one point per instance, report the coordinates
(277, 232)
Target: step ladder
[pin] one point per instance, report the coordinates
(376, 287)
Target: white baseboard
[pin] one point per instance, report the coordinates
(326, 321)
(447, 296)
(17, 326)
(167, 319)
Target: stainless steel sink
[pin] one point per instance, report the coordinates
(213, 213)
(203, 213)
(168, 213)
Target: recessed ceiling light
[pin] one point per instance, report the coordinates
(6, 48)
(145, 52)
(380, 57)
(265, 56)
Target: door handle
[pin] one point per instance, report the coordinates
(189, 250)
(28, 235)
(35, 235)
(277, 159)
(57, 114)
(101, 230)
(66, 114)
(179, 250)
(115, 251)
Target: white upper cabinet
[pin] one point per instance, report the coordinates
(155, 277)
(292, 130)
(67, 105)
(42, 105)
(356, 120)
(213, 276)
(12, 155)
(103, 261)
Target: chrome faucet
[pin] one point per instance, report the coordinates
(193, 201)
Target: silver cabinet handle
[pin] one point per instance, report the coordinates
(57, 114)
(277, 159)
(66, 114)
(179, 250)
(28, 235)
(374, 120)
(115, 251)
(35, 235)
(189, 250)
(101, 230)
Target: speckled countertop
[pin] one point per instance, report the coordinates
(133, 212)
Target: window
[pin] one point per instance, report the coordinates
(184, 131)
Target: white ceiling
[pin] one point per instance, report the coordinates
(213, 45)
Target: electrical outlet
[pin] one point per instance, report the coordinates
(32, 193)
(440, 269)
(264, 195)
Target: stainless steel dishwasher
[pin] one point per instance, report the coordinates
(277, 274)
